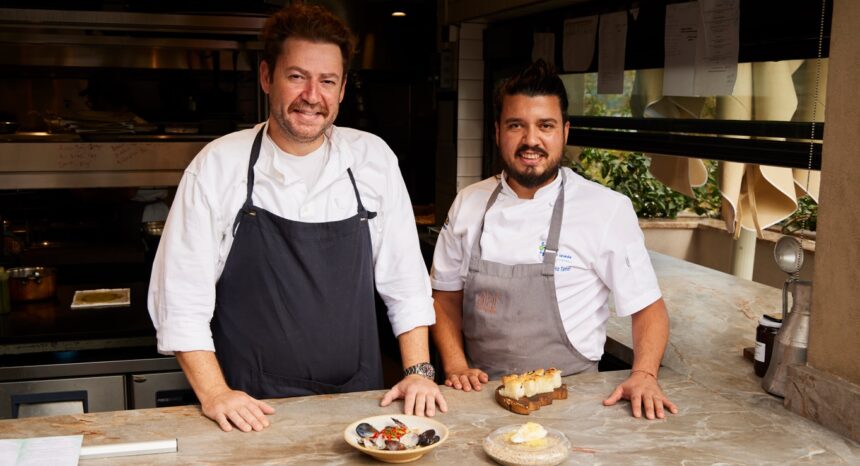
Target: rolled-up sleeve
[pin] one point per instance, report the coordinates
(401, 276)
(446, 274)
(624, 264)
(181, 297)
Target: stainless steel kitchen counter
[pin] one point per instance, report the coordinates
(724, 415)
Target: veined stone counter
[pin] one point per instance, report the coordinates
(724, 415)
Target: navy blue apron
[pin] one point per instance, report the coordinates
(295, 312)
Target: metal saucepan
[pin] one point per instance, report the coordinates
(32, 283)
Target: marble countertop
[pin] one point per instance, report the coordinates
(724, 415)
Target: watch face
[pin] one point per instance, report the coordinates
(425, 369)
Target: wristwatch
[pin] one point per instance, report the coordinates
(422, 368)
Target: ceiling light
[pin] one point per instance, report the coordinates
(398, 13)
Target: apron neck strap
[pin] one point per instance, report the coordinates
(475, 256)
(551, 247)
(363, 213)
(255, 154)
(249, 204)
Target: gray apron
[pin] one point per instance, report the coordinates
(511, 320)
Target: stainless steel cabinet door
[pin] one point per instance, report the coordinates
(160, 389)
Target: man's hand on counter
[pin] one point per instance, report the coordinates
(466, 379)
(642, 389)
(420, 396)
(232, 407)
(217, 401)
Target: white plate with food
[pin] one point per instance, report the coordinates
(108, 297)
(527, 444)
(395, 438)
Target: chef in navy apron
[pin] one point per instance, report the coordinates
(526, 261)
(271, 238)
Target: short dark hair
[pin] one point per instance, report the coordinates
(539, 79)
(309, 22)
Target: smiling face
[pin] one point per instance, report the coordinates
(305, 89)
(531, 134)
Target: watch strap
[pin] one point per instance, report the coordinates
(422, 368)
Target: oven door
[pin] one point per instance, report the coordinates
(160, 389)
(61, 396)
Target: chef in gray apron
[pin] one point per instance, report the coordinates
(511, 320)
(502, 316)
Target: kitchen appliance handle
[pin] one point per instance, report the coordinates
(180, 397)
(48, 398)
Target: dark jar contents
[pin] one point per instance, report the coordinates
(765, 335)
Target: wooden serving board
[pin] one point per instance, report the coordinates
(526, 405)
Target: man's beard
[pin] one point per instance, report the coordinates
(531, 178)
(296, 133)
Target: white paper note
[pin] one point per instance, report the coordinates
(681, 42)
(543, 46)
(41, 451)
(613, 45)
(717, 52)
(578, 43)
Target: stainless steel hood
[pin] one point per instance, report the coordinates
(127, 40)
(240, 25)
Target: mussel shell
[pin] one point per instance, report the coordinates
(365, 430)
(428, 437)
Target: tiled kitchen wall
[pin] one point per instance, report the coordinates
(470, 103)
(460, 144)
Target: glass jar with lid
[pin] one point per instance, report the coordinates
(768, 327)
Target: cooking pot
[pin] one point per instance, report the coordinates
(32, 283)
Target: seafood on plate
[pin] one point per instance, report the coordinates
(394, 437)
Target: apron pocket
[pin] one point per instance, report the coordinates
(294, 386)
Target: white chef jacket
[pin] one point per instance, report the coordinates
(601, 249)
(198, 233)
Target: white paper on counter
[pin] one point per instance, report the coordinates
(577, 47)
(718, 44)
(681, 42)
(613, 46)
(543, 46)
(41, 451)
